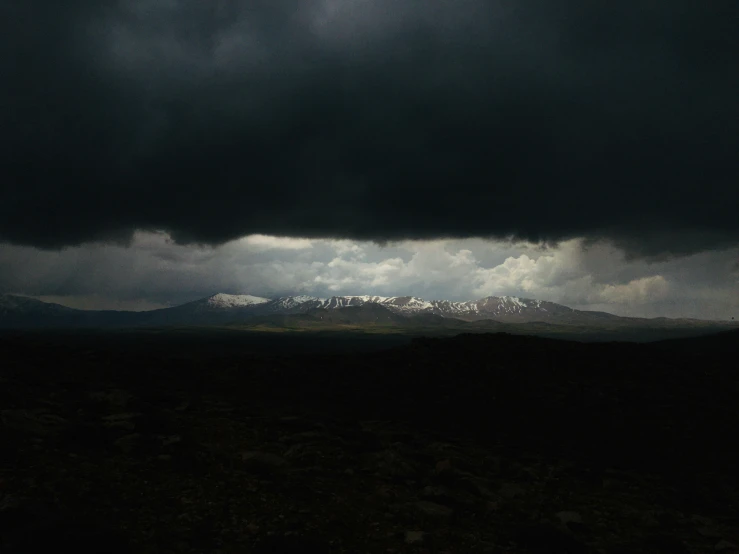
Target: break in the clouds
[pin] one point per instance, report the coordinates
(154, 271)
(375, 120)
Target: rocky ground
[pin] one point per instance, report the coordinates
(474, 444)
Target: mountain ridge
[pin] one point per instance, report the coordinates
(302, 312)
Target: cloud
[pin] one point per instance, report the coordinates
(264, 242)
(370, 120)
(638, 291)
(155, 271)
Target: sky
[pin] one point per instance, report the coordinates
(154, 272)
(152, 151)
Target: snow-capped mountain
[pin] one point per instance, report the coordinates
(227, 309)
(221, 301)
(303, 304)
(218, 308)
(511, 308)
(505, 307)
(235, 307)
(289, 305)
(492, 307)
(500, 308)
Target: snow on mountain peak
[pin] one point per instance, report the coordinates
(366, 298)
(304, 298)
(222, 300)
(483, 307)
(288, 302)
(410, 303)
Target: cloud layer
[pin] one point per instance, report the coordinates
(155, 271)
(370, 120)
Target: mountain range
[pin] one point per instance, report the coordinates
(492, 313)
(504, 308)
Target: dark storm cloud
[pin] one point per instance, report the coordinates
(370, 120)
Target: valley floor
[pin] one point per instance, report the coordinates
(484, 443)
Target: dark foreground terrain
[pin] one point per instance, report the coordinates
(155, 442)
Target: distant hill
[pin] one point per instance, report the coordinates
(22, 312)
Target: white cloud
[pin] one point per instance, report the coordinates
(638, 291)
(259, 243)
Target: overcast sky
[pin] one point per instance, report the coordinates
(141, 140)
